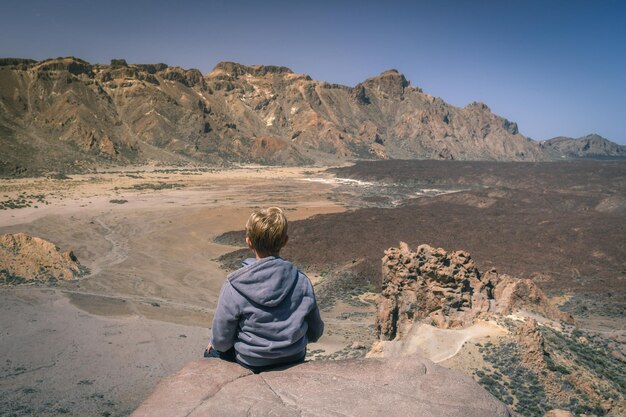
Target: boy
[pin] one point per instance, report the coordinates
(266, 312)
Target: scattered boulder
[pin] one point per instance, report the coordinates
(449, 290)
(28, 258)
(355, 387)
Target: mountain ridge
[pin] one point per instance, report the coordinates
(69, 115)
(592, 145)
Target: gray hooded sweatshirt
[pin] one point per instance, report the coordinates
(268, 312)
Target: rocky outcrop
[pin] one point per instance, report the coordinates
(28, 258)
(358, 387)
(390, 83)
(532, 345)
(447, 290)
(71, 65)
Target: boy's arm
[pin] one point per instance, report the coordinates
(225, 321)
(316, 325)
(314, 320)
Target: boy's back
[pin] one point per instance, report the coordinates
(266, 310)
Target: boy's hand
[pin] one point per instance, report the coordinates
(207, 352)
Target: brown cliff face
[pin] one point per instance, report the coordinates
(448, 290)
(66, 113)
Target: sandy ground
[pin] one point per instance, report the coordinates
(58, 359)
(158, 246)
(437, 344)
(97, 346)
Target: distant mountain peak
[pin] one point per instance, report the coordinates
(390, 74)
(478, 105)
(592, 145)
(390, 82)
(593, 136)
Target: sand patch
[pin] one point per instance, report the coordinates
(437, 344)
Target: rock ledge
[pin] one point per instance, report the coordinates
(357, 387)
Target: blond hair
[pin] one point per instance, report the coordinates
(267, 230)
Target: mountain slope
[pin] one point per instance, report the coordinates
(587, 146)
(68, 114)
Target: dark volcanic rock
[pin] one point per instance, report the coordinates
(363, 387)
(561, 223)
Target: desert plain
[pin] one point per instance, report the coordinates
(157, 243)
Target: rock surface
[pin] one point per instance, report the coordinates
(27, 258)
(448, 289)
(362, 387)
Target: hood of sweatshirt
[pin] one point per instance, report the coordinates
(266, 281)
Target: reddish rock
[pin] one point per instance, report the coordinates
(447, 288)
(24, 257)
(357, 387)
(532, 345)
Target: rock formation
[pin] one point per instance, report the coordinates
(448, 290)
(356, 387)
(28, 258)
(532, 345)
(67, 114)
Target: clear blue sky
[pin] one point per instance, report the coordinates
(555, 67)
